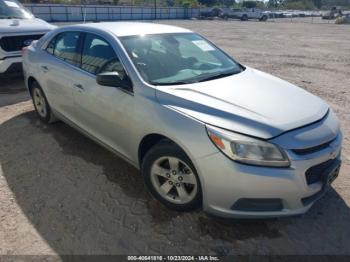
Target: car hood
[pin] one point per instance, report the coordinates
(251, 102)
(24, 25)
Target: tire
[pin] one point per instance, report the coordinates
(244, 18)
(263, 18)
(179, 190)
(41, 104)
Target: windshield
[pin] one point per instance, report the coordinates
(181, 58)
(13, 9)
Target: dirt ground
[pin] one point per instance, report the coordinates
(60, 193)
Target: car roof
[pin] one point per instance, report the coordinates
(134, 28)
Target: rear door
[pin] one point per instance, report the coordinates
(255, 13)
(58, 71)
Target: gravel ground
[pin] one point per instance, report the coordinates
(60, 193)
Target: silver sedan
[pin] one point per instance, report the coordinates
(205, 131)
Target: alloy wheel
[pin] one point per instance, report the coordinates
(39, 102)
(174, 180)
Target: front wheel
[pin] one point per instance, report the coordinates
(171, 177)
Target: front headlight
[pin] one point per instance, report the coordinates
(246, 149)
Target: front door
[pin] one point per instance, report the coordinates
(103, 111)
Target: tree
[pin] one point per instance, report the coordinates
(260, 4)
(187, 3)
(228, 3)
(249, 4)
(208, 2)
(170, 2)
(299, 4)
(275, 3)
(317, 3)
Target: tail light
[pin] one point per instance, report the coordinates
(24, 49)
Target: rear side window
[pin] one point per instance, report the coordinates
(51, 46)
(98, 56)
(65, 46)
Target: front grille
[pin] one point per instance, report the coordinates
(314, 174)
(16, 43)
(258, 204)
(313, 149)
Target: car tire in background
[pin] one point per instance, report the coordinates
(263, 18)
(171, 177)
(41, 104)
(244, 17)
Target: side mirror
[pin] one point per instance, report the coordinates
(113, 79)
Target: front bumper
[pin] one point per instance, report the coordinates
(225, 183)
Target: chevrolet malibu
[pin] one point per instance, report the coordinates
(205, 131)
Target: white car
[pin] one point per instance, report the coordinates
(245, 14)
(18, 28)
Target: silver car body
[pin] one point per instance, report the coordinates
(251, 103)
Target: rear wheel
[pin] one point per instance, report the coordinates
(263, 18)
(171, 177)
(40, 103)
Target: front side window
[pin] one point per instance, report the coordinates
(181, 58)
(99, 57)
(65, 47)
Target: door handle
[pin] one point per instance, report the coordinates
(45, 68)
(79, 86)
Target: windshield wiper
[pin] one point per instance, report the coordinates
(203, 78)
(170, 83)
(220, 75)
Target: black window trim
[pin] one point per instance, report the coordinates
(54, 38)
(46, 46)
(82, 50)
(79, 50)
